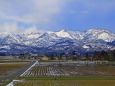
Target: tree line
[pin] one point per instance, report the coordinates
(95, 56)
(104, 55)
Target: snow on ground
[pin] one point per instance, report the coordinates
(12, 83)
(29, 68)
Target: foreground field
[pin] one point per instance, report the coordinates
(68, 76)
(96, 82)
(68, 82)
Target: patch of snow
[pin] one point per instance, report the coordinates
(29, 68)
(5, 46)
(12, 83)
(105, 36)
(76, 34)
(85, 46)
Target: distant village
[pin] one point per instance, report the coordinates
(97, 55)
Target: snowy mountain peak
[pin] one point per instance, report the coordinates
(100, 34)
(33, 35)
(99, 30)
(63, 30)
(63, 34)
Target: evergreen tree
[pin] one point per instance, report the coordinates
(105, 55)
(87, 56)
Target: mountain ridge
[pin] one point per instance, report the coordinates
(59, 41)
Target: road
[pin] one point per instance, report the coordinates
(18, 72)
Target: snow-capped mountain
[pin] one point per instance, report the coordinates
(61, 41)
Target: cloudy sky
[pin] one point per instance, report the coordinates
(34, 15)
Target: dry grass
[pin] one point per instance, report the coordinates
(48, 83)
(67, 83)
(7, 68)
(96, 82)
(97, 70)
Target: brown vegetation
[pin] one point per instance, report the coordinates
(71, 71)
(7, 68)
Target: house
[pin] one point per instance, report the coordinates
(24, 56)
(34, 56)
(56, 58)
(64, 57)
(44, 58)
(6, 57)
(16, 56)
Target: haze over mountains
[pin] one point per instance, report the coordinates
(56, 42)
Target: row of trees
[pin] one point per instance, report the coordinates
(104, 55)
(97, 55)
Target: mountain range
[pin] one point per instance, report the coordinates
(57, 42)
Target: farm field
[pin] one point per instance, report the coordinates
(37, 71)
(69, 76)
(7, 68)
(46, 74)
(66, 83)
(8, 61)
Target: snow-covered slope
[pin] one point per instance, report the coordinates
(64, 34)
(9, 38)
(100, 34)
(93, 39)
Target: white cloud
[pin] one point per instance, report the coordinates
(15, 28)
(9, 27)
(38, 12)
(31, 29)
(43, 12)
(30, 11)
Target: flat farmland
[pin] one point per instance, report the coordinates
(37, 71)
(46, 74)
(47, 83)
(66, 83)
(7, 68)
